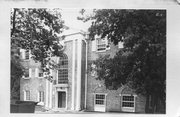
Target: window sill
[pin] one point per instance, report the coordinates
(128, 107)
(100, 105)
(61, 85)
(28, 100)
(99, 51)
(26, 78)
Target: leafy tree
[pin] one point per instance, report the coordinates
(35, 30)
(142, 62)
(16, 74)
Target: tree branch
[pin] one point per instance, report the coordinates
(14, 23)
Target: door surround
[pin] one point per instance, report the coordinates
(61, 89)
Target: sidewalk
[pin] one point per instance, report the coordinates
(42, 110)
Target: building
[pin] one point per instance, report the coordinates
(74, 87)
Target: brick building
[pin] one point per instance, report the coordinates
(75, 87)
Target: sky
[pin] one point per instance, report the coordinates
(70, 18)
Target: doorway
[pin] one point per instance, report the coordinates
(61, 99)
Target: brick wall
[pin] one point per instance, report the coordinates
(34, 84)
(113, 99)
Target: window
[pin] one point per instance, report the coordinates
(27, 95)
(101, 44)
(41, 96)
(39, 73)
(62, 76)
(128, 101)
(63, 70)
(100, 99)
(27, 73)
(27, 54)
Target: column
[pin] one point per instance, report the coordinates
(78, 83)
(47, 93)
(73, 76)
(50, 95)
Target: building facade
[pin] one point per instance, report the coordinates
(74, 86)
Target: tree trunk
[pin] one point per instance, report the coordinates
(13, 23)
(155, 106)
(147, 104)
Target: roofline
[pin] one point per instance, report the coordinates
(82, 33)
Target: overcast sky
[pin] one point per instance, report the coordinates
(70, 18)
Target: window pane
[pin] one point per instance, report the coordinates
(101, 41)
(128, 101)
(100, 102)
(40, 74)
(26, 73)
(101, 47)
(63, 69)
(63, 76)
(27, 54)
(101, 44)
(128, 98)
(41, 96)
(128, 104)
(27, 95)
(63, 61)
(100, 96)
(100, 99)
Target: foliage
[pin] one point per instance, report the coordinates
(16, 74)
(36, 30)
(143, 33)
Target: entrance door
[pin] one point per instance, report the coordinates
(61, 99)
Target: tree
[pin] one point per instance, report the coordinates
(35, 30)
(16, 74)
(142, 62)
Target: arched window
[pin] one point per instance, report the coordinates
(63, 69)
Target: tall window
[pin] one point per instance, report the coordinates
(40, 73)
(41, 96)
(27, 73)
(27, 54)
(100, 99)
(27, 95)
(63, 69)
(128, 101)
